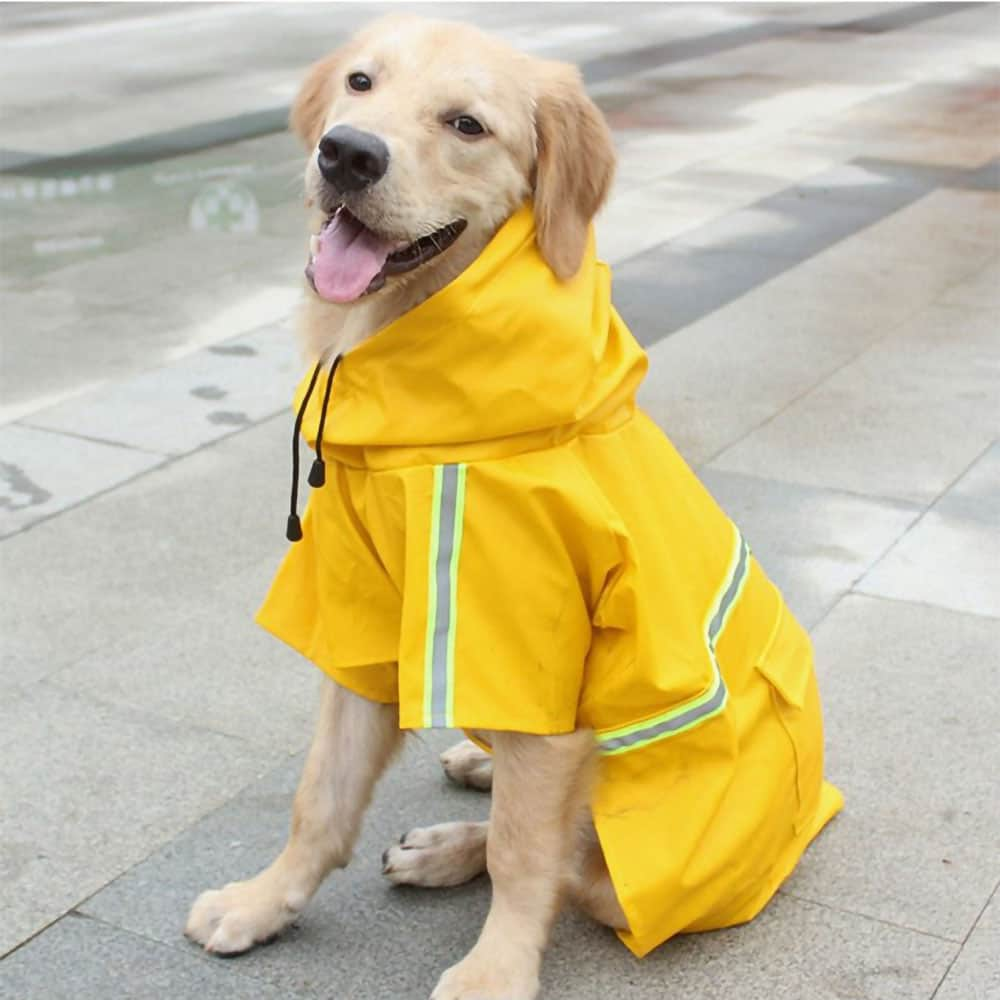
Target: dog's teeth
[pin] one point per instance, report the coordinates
(314, 244)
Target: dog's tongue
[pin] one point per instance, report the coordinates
(349, 256)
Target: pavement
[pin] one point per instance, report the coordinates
(805, 234)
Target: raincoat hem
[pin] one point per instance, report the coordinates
(829, 803)
(369, 680)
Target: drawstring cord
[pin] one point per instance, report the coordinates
(317, 474)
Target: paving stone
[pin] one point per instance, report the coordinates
(42, 473)
(903, 420)
(207, 395)
(791, 951)
(671, 287)
(893, 139)
(650, 155)
(976, 495)
(79, 957)
(741, 360)
(911, 716)
(637, 220)
(665, 286)
(976, 973)
(131, 563)
(952, 556)
(115, 783)
(813, 543)
(646, 156)
(863, 182)
(942, 225)
(980, 289)
(741, 179)
(359, 936)
(873, 255)
(799, 222)
(212, 668)
(946, 561)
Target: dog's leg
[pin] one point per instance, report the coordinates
(355, 740)
(466, 764)
(541, 784)
(591, 888)
(437, 856)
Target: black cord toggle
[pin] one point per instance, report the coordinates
(317, 474)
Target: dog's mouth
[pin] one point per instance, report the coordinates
(348, 260)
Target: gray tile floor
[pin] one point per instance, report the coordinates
(805, 234)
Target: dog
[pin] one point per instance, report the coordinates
(500, 541)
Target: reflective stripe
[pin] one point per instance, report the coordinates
(711, 702)
(447, 515)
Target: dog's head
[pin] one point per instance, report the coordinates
(423, 138)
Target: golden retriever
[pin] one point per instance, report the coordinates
(473, 129)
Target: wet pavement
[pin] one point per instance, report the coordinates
(805, 233)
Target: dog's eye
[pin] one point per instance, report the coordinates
(359, 81)
(467, 125)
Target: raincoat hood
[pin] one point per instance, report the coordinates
(505, 355)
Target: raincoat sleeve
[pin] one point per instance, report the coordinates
(506, 563)
(333, 598)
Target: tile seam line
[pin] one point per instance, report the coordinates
(927, 510)
(921, 512)
(965, 941)
(210, 812)
(167, 461)
(195, 951)
(84, 900)
(809, 389)
(53, 681)
(881, 598)
(976, 615)
(185, 946)
(848, 912)
(157, 849)
(888, 333)
(22, 687)
(901, 504)
(91, 438)
(843, 595)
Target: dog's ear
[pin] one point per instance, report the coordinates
(313, 99)
(574, 169)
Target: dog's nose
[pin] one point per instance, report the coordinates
(351, 159)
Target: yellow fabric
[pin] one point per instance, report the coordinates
(505, 542)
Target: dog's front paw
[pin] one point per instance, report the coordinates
(468, 765)
(232, 920)
(480, 976)
(443, 855)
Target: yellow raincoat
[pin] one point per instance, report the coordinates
(505, 542)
